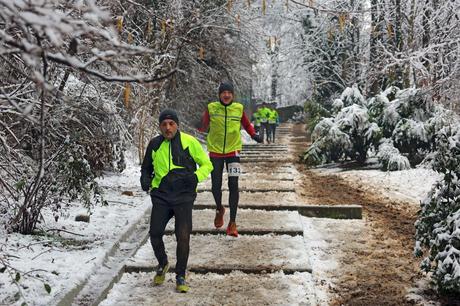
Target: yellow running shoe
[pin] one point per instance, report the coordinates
(161, 274)
(181, 285)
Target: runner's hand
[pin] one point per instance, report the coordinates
(257, 138)
(145, 182)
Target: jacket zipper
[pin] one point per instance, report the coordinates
(169, 157)
(225, 129)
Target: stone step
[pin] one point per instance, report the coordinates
(235, 288)
(345, 211)
(266, 160)
(264, 155)
(266, 198)
(222, 253)
(249, 221)
(264, 147)
(261, 152)
(254, 174)
(253, 180)
(255, 152)
(253, 189)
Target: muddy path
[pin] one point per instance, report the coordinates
(378, 267)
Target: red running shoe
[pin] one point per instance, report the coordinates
(219, 219)
(231, 229)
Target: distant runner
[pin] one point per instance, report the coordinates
(273, 122)
(264, 112)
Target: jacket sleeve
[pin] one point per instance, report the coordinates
(204, 122)
(202, 159)
(147, 170)
(247, 125)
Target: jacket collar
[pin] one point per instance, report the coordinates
(225, 105)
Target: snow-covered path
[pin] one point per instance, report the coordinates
(268, 264)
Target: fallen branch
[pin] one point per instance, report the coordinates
(63, 230)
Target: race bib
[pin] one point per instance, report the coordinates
(234, 169)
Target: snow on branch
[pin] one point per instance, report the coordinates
(80, 36)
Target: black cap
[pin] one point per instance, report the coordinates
(168, 114)
(225, 86)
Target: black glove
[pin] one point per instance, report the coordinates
(257, 138)
(194, 180)
(146, 181)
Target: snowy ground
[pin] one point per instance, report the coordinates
(407, 185)
(67, 252)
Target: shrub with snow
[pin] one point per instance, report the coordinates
(337, 106)
(354, 121)
(438, 224)
(390, 158)
(410, 137)
(334, 146)
(352, 95)
(441, 118)
(314, 113)
(349, 135)
(376, 106)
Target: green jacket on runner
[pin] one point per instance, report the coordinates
(273, 117)
(264, 114)
(256, 118)
(173, 166)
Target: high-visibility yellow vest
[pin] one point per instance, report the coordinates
(264, 114)
(224, 127)
(273, 116)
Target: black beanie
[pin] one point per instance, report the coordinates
(168, 114)
(225, 86)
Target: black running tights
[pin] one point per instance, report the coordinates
(161, 214)
(216, 178)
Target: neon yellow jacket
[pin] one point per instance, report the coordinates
(273, 117)
(172, 163)
(256, 116)
(264, 114)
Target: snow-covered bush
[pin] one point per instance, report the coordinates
(315, 112)
(409, 103)
(322, 128)
(391, 92)
(410, 137)
(441, 118)
(349, 135)
(354, 121)
(337, 106)
(352, 95)
(390, 158)
(333, 145)
(438, 224)
(390, 119)
(376, 107)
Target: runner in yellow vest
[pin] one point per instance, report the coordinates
(223, 120)
(264, 115)
(256, 120)
(273, 122)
